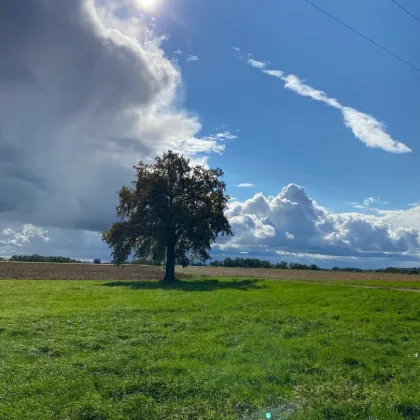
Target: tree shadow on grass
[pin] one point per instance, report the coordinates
(188, 285)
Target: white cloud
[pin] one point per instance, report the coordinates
(225, 135)
(236, 49)
(369, 201)
(245, 185)
(289, 224)
(365, 127)
(292, 222)
(276, 73)
(24, 236)
(371, 131)
(296, 85)
(256, 64)
(84, 95)
(29, 239)
(192, 58)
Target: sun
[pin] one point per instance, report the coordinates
(146, 4)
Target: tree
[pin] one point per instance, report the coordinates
(96, 261)
(282, 265)
(171, 212)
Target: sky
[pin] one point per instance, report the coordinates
(315, 127)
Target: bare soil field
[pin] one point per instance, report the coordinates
(271, 273)
(59, 271)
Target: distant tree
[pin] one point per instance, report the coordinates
(336, 268)
(172, 212)
(228, 262)
(266, 264)
(96, 261)
(313, 267)
(216, 264)
(282, 265)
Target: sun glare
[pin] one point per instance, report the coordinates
(146, 4)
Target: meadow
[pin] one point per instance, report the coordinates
(225, 348)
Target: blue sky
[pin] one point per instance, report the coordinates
(277, 94)
(286, 138)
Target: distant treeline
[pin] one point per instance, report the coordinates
(257, 263)
(40, 258)
(395, 270)
(227, 262)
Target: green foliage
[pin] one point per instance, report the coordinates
(40, 258)
(172, 212)
(207, 349)
(298, 266)
(257, 263)
(242, 262)
(282, 265)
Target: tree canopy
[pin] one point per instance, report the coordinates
(172, 212)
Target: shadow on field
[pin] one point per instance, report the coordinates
(188, 286)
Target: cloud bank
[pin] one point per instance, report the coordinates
(84, 95)
(293, 224)
(365, 127)
(288, 226)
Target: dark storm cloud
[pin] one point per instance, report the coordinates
(74, 99)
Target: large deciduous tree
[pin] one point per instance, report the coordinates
(173, 211)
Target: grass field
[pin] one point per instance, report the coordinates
(207, 349)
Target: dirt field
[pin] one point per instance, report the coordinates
(269, 273)
(49, 271)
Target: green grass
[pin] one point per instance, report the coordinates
(396, 284)
(207, 349)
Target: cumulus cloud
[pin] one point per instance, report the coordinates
(293, 223)
(29, 239)
(365, 127)
(288, 226)
(192, 58)
(23, 236)
(245, 185)
(84, 95)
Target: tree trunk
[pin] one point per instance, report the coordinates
(170, 265)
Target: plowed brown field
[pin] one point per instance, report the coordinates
(271, 273)
(49, 271)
